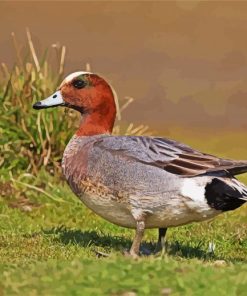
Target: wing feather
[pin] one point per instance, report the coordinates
(172, 156)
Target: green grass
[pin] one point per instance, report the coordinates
(52, 246)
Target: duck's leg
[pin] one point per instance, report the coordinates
(134, 250)
(161, 240)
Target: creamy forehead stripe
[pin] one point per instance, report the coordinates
(73, 75)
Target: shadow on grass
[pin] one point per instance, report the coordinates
(87, 239)
(189, 252)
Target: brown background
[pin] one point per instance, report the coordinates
(185, 63)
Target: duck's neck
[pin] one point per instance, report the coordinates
(100, 120)
(95, 124)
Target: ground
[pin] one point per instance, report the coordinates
(51, 244)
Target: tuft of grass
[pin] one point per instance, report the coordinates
(29, 139)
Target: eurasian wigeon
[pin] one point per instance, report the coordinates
(138, 181)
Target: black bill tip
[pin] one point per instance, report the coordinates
(38, 105)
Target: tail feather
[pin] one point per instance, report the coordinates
(225, 194)
(239, 187)
(238, 168)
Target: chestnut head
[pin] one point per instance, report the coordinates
(83, 91)
(89, 94)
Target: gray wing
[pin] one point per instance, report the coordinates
(172, 156)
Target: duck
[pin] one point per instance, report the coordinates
(139, 182)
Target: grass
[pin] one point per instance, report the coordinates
(51, 244)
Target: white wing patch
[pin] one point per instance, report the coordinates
(193, 190)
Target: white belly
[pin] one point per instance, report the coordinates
(161, 213)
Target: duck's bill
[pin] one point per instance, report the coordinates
(54, 100)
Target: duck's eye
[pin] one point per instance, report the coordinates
(78, 83)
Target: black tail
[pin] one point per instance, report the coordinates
(225, 194)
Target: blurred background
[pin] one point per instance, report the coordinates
(184, 62)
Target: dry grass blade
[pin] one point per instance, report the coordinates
(48, 151)
(88, 67)
(27, 132)
(137, 129)
(29, 68)
(17, 49)
(117, 103)
(62, 60)
(45, 70)
(8, 84)
(130, 127)
(142, 131)
(40, 132)
(116, 130)
(125, 105)
(31, 46)
(5, 70)
(56, 199)
(32, 161)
